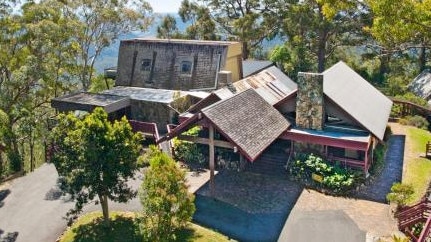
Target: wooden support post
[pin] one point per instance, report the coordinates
(211, 154)
(241, 162)
(366, 164)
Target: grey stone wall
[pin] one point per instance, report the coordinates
(158, 113)
(159, 64)
(310, 110)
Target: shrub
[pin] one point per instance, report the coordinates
(336, 179)
(416, 121)
(167, 204)
(144, 160)
(378, 159)
(188, 151)
(400, 193)
(388, 133)
(15, 161)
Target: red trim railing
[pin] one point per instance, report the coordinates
(347, 162)
(148, 129)
(411, 215)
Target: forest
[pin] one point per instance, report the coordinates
(49, 48)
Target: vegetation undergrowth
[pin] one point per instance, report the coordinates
(418, 169)
(124, 227)
(317, 173)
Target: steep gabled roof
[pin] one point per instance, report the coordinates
(363, 102)
(421, 85)
(248, 121)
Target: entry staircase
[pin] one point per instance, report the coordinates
(412, 215)
(272, 161)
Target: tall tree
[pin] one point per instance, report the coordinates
(33, 62)
(248, 21)
(200, 23)
(168, 28)
(98, 23)
(321, 30)
(400, 26)
(95, 158)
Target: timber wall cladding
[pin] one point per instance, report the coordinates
(309, 101)
(161, 65)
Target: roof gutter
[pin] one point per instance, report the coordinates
(216, 78)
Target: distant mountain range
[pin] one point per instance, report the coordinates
(108, 57)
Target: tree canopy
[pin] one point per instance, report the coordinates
(95, 158)
(49, 48)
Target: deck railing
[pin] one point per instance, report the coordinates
(148, 129)
(412, 215)
(347, 162)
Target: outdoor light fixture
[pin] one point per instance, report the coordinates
(235, 149)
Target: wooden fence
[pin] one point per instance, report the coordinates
(408, 108)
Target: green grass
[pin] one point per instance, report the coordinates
(90, 228)
(418, 169)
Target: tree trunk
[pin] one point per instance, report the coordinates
(104, 203)
(321, 53)
(1, 163)
(422, 58)
(245, 50)
(384, 66)
(31, 143)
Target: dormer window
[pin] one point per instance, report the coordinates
(186, 67)
(146, 65)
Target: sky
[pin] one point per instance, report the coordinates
(165, 6)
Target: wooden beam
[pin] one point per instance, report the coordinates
(211, 154)
(205, 141)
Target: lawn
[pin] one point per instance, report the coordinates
(418, 168)
(89, 228)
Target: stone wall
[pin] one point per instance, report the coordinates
(158, 113)
(310, 111)
(160, 64)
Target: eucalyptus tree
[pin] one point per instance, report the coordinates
(99, 23)
(168, 28)
(248, 21)
(35, 43)
(401, 26)
(200, 23)
(317, 30)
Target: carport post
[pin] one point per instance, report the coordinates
(211, 154)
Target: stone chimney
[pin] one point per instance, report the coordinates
(224, 78)
(310, 111)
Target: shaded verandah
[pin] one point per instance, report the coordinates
(250, 125)
(343, 149)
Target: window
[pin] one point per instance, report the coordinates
(186, 67)
(146, 65)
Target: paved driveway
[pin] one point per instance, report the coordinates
(32, 210)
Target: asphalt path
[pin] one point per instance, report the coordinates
(32, 208)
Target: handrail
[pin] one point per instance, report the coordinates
(421, 109)
(426, 230)
(411, 215)
(145, 127)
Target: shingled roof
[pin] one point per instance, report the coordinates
(248, 121)
(363, 102)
